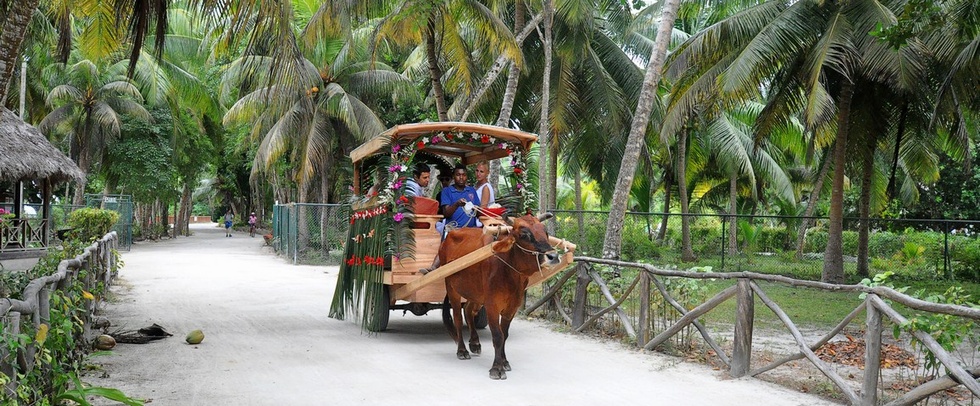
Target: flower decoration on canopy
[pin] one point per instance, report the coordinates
(402, 156)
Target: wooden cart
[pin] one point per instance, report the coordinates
(370, 291)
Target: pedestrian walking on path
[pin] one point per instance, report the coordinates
(229, 218)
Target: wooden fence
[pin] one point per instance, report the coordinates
(745, 291)
(99, 259)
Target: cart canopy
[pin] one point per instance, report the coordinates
(454, 147)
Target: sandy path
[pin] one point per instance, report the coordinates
(269, 342)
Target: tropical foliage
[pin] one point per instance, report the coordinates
(764, 107)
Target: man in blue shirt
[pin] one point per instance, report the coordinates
(454, 199)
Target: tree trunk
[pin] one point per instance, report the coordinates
(898, 148)
(579, 206)
(185, 210)
(84, 163)
(435, 74)
(164, 218)
(14, 29)
(732, 211)
(553, 179)
(864, 205)
(833, 257)
(544, 125)
(811, 204)
(613, 241)
(687, 254)
(510, 93)
(662, 232)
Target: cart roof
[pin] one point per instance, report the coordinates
(407, 133)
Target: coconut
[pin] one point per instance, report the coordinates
(195, 337)
(104, 342)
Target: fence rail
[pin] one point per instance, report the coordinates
(98, 259)
(639, 297)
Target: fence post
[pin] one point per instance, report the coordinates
(8, 359)
(946, 269)
(643, 335)
(742, 342)
(724, 240)
(872, 354)
(582, 280)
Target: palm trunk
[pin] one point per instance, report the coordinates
(185, 210)
(579, 206)
(613, 241)
(662, 232)
(435, 74)
(833, 257)
(510, 93)
(864, 206)
(544, 126)
(687, 254)
(898, 148)
(811, 204)
(732, 208)
(14, 29)
(84, 163)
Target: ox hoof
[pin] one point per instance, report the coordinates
(476, 348)
(497, 374)
(506, 366)
(462, 354)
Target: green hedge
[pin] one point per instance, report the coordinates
(90, 224)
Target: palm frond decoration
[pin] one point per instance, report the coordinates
(360, 287)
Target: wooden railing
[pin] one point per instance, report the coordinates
(745, 291)
(18, 234)
(98, 259)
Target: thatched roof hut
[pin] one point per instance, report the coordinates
(26, 155)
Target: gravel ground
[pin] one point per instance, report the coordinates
(269, 342)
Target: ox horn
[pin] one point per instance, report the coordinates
(507, 220)
(545, 216)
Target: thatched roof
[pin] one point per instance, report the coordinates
(25, 153)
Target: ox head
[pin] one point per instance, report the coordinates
(529, 237)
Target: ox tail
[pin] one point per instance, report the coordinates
(447, 318)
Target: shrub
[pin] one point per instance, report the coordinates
(90, 224)
(776, 238)
(966, 258)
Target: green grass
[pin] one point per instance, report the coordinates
(817, 308)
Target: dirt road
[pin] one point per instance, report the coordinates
(269, 342)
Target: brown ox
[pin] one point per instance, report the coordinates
(496, 283)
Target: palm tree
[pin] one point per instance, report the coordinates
(316, 116)
(14, 28)
(612, 243)
(452, 32)
(812, 55)
(87, 105)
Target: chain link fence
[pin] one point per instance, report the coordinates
(924, 249)
(310, 233)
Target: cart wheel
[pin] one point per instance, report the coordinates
(379, 317)
(480, 321)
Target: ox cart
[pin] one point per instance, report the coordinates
(392, 237)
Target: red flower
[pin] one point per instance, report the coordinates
(518, 170)
(485, 139)
(420, 145)
(381, 261)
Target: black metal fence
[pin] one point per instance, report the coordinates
(925, 249)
